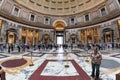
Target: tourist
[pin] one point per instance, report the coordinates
(19, 46)
(12, 47)
(39, 46)
(23, 47)
(9, 48)
(96, 58)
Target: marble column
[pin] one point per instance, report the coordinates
(2, 30)
(33, 37)
(26, 36)
(92, 35)
(79, 35)
(99, 35)
(20, 33)
(39, 35)
(85, 39)
(55, 37)
(64, 36)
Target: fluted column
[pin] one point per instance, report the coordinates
(20, 33)
(85, 39)
(40, 35)
(99, 36)
(33, 37)
(26, 36)
(92, 35)
(79, 35)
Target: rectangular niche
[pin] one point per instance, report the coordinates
(7, 7)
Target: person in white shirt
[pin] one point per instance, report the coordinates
(96, 58)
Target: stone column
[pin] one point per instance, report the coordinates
(64, 37)
(79, 35)
(92, 35)
(4, 30)
(20, 33)
(26, 36)
(85, 39)
(55, 37)
(101, 33)
(33, 37)
(39, 35)
(99, 36)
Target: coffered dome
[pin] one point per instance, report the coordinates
(60, 7)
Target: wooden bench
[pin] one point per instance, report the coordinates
(118, 76)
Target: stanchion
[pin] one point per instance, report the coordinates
(66, 66)
(31, 64)
(87, 57)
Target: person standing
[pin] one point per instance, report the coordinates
(12, 47)
(19, 46)
(9, 49)
(96, 58)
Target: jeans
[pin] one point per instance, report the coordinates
(97, 68)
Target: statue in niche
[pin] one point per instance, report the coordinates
(73, 38)
(46, 38)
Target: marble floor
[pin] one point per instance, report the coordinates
(57, 62)
(58, 69)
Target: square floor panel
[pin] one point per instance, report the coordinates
(58, 69)
(55, 67)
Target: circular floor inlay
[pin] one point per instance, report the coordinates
(109, 64)
(14, 63)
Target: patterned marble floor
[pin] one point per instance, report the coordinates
(3, 56)
(26, 71)
(58, 69)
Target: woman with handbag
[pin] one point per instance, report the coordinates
(96, 58)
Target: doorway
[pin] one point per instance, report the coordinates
(108, 35)
(73, 38)
(11, 37)
(59, 37)
(59, 40)
(59, 26)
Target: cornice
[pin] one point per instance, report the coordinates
(22, 21)
(110, 16)
(98, 20)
